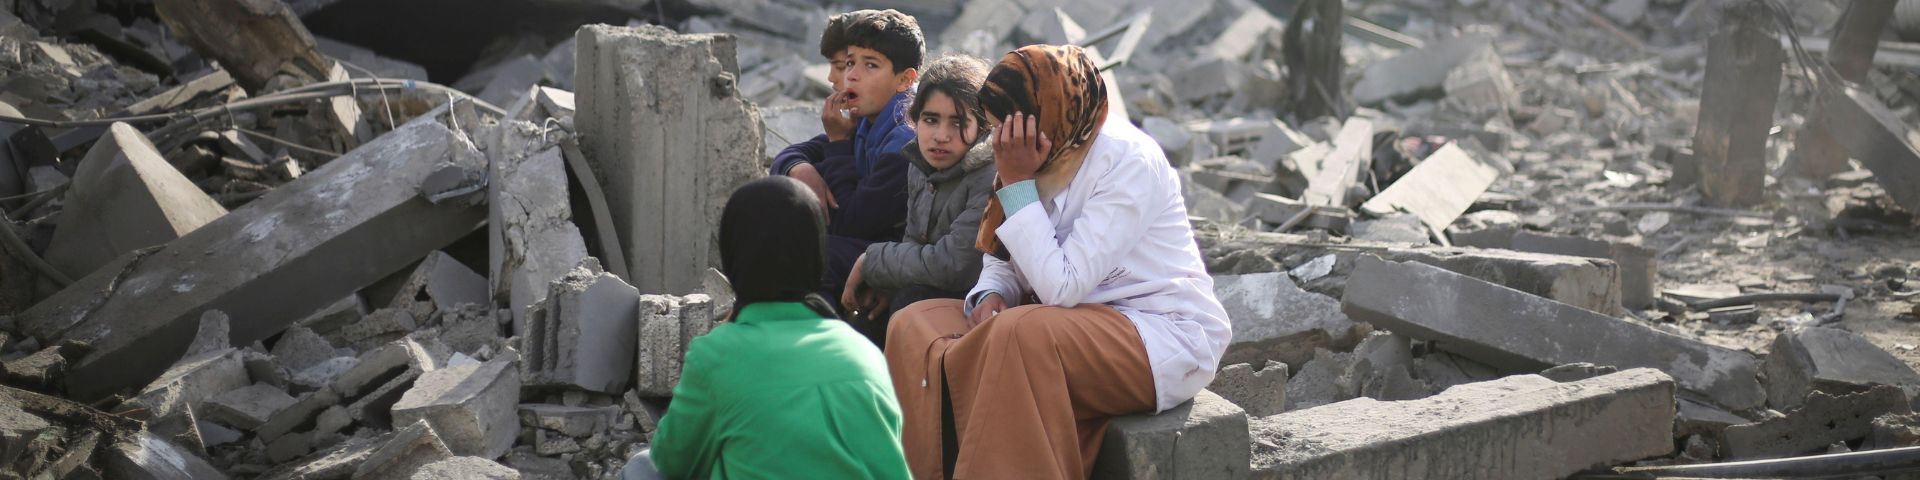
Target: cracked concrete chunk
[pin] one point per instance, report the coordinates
(582, 334)
(472, 406)
(124, 197)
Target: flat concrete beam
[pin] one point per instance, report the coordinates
(669, 137)
(1877, 137)
(1638, 268)
(1736, 108)
(1514, 330)
(282, 257)
(1521, 427)
(531, 236)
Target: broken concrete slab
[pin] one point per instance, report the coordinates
(291, 252)
(686, 148)
(247, 408)
(145, 456)
(124, 197)
(1736, 108)
(298, 415)
(667, 325)
(471, 406)
(1822, 420)
(1341, 169)
(1830, 360)
(1261, 392)
(1330, 377)
(445, 281)
(1417, 73)
(256, 41)
(1587, 283)
(582, 334)
(200, 378)
(405, 452)
(1515, 428)
(1203, 438)
(580, 422)
(1275, 320)
(1277, 210)
(531, 235)
(1514, 330)
(377, 365)
(1639, 272)
(299, 349)
(1441, 187)
(465, 468)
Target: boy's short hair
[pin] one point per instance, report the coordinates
(834, 39)
(894, 34)
(960, 77)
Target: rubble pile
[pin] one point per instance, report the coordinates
(1455, 238)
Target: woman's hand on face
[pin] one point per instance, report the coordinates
(1019, 148)
(989, 306)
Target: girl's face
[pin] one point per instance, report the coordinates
(943, 139)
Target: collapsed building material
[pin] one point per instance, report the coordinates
(285, 255)
(255, 40)
(1515, 330)
(406, 451)
(531, 235)
(145, 456)
(198, 378)
(465, 468)
(471, 406)
(669, 137)
(1736, 108)
(443, 280)
(1441, 188)
(1515, 428)
(1330, 377)
(1582, 282)
(1830, 360)
(667, 325)
(1856, 36)
(1340, 170)
(247, 408)
(124, 197)
(582, 334)
(1274, 320)
(1203, 438)
(1261, 392)
(601, 235)
(1637, 265)
(1877, 137)
(1821, 421)
(572, 421)
(1417, 73)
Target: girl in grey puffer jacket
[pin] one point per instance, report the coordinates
(947, 190)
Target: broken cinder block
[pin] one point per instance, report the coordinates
(667, 325)
(1515, 330)
(582, 334)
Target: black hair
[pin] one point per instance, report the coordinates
(959, 76)
(834, 39)
(895, 35)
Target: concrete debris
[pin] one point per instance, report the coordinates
(582, 334)
(1877, 137)
(579, 422)
(1341, 169)
(1455, 310)
(322, 236)
(465, 468)
(1736, 108)
(1206, 437)
(472, 406)
(531, 234)
(1621, 417)
(1833, 361)
(444, 281)
(299, 349)
(1637, 265)
(1274, 320)
(1261, 392)
(1441, 188)
(124, 197)
(148, 457)
(254, 40)
(1330, 377)
(667, 325)
(1419, 73)
(407, 451)
(1821, 421)
(247, 408)
(694, 142)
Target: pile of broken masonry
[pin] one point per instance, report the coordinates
(1456, 238)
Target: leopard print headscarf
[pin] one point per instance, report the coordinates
(1060, 86)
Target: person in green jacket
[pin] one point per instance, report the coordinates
(783, 390)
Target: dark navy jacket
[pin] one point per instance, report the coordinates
(867, 173)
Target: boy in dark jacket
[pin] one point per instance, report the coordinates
(864, 189)
(948, 186)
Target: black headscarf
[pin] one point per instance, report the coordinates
(773, 244)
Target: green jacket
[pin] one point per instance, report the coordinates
(781, 393)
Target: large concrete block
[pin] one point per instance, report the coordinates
(308, 243)
(1821, 421)
(1441, 187)
(582, 334)
(1206, 437)
(1511, 329)
(1736, 107)
(1592, 284)
(531, 235)
(1273, 319)
(667, 325)
(1833, 361)
(669, 137)
(1638, 270)
(471, 406)
(1521, 427)
(124, 197)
